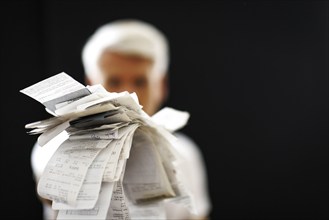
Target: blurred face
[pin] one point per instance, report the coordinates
(133, 74)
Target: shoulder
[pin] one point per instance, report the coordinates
(186, 146)
(193, 172)
(190, 157)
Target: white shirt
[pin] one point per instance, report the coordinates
(192, 167)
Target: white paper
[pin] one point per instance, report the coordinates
(45, 137)
(90, 188)
(147, 211)
(171, 119)
(65, 172)
(118, 209)
(145, 175)
(52, 87)
(99, 212)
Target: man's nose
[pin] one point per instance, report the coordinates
(128, 87)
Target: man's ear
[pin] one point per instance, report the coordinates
(165, 88)
(87, 81)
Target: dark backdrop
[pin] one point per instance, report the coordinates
(253, 75)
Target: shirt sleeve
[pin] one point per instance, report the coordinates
(194, 173)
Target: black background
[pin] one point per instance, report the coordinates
(253, 75)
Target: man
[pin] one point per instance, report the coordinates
(131, 55)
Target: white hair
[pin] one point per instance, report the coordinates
(128, 36)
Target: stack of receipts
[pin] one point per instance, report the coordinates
(117, 162)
